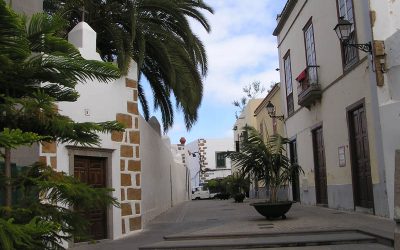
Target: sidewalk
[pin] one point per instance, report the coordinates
(227, 219)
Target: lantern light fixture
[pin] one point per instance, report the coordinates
(343, 31)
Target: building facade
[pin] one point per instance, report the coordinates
(206, 160)
(266, 125)
(137, 164)
(336, 104)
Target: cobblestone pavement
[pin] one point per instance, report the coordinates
(208, 217)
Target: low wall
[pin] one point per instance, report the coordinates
(164, 181)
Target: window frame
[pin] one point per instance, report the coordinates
(290, 112)
(217, 159)
(313, 69)
(348, 65)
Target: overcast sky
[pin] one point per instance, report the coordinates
(240, 49)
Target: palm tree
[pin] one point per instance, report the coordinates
(157, 35)
(38, 68)
(265, 161)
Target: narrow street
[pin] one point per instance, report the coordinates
(207, 222)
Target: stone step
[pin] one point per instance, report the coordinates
(267, 241)
(195, 236)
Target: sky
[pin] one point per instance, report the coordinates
(240, 49)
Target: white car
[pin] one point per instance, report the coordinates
(201, 194)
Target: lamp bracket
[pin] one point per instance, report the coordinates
(279, 117)
(366, 47)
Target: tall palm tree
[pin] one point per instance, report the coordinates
(157, 35)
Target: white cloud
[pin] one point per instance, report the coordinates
(240, 48)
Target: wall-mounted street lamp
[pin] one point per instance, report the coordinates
(343, 30)
(272, 110)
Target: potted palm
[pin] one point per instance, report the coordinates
(267, 161)
(238, 184)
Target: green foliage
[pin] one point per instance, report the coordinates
(42, 218)
(266, 161)
(37, 69)
(237, 183)
(158, 36)
(12, 138)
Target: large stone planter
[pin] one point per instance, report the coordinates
(272, 210)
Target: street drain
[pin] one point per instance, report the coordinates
(212, 219)
(338, 213)
(228, 209)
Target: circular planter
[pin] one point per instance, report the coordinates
(272, 210)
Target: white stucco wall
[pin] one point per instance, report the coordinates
(387, 28)
(211, 147)
(214, 146)
(340, 90)
(164, 181)
(98, 102)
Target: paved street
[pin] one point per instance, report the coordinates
(206, 219)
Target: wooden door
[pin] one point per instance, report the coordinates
(92, 170)
(295, 177)
(321, 189)
(361, 169)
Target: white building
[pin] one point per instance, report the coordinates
(137, 163)
(341, 104)
(210, 154)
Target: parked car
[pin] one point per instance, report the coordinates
(199, 194)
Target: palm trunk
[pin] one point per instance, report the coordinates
(7, 173)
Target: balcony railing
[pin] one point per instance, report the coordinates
(308, 88)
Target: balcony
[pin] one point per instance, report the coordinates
(308, 89)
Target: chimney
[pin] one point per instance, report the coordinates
(83, 37)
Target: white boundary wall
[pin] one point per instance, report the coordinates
(164, 181)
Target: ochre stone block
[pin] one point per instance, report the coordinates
(135, 95)
(137, 208)
(122, 194)
(125, 119)
(138, 180)
(134, 137)
(122, 165)
(117, 136)
(137, 152)
(134, 194)
(53, 162)
(43, 160)
(49, 147)
(136, 123)
(132, 108)
(130, 83)
(126, 180)
(135, 223)
(126, 209)
(134, 165)
(123, 226)
(126, 151)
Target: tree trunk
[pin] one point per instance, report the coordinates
(7, 172)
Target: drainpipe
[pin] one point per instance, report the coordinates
(376, 120)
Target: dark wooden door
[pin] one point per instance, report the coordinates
(361, 169)
(92, 170)
(321, 189)
(295, 177)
